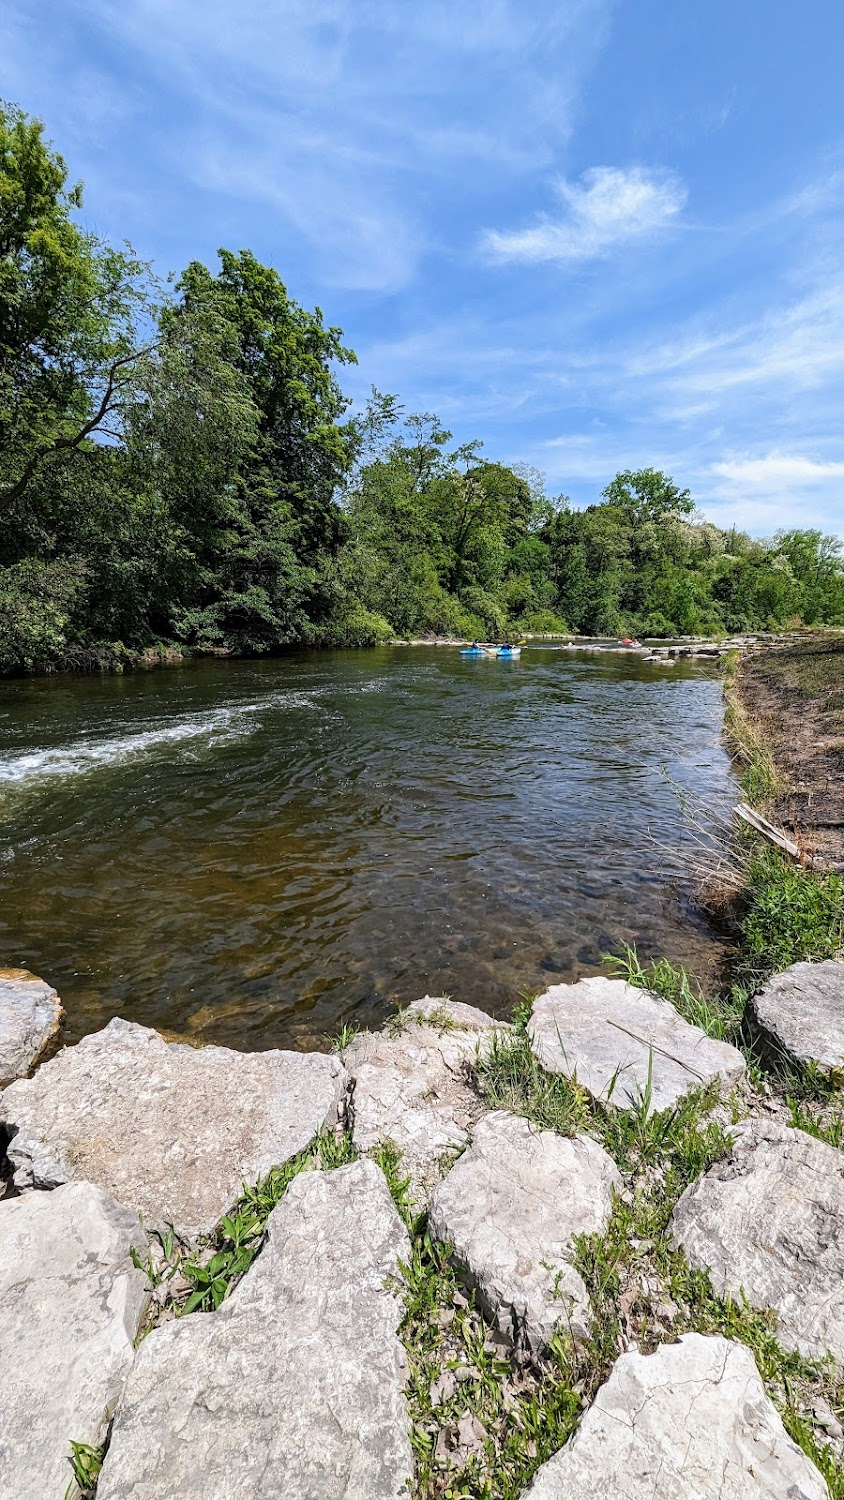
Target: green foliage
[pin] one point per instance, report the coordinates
(790, 915)
(181, 467)
(680, 1138)
(86, 1462)
(70, 308)
(240, 1234)
(718, 1017)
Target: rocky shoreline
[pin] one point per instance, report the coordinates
(357, 1274)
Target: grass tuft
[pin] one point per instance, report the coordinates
(719, 1018)
(789, 915)
(86, 1461)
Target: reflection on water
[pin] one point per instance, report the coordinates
(255, 852)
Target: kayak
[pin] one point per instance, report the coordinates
(508, 651)
(472, 651)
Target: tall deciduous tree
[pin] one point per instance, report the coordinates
(71, 308)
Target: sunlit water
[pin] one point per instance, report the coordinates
(256, 852)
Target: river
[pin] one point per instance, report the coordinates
(252, 853)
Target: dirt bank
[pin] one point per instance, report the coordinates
(793, 696)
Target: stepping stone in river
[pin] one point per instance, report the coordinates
(172, 1131)
(294, 1388)
(769, 1221)
(411, 1086)
(610, 1035)
(30, 1015)
(71, 1304)
(800, 1015)
(689, 1421)
(511, 1206)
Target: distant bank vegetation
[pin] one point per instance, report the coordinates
(179, 464)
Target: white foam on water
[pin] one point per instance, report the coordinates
(217, 726)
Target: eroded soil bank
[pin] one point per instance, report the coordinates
(793, 695)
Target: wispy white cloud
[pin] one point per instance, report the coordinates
(775, 473)
(609, 207)
(348, 120)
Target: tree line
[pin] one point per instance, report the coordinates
(179, 464)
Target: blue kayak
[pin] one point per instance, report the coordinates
(472, 651)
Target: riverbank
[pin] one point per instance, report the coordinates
(786, 702)
(433, 1259)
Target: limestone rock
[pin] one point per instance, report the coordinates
(800, 1013)
(770, 1220)
(511, 1206)
(71, 1303)
(169, 1130)
(688, 1422)
(606, 1032)
(294, 1388)
(30, 1014)
(410, 1084)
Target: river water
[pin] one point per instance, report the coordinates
(255, 852)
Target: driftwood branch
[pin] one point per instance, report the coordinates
(768, 831)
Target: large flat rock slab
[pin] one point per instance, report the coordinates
(689, 1422)
(769, 1220)
(30, 1015)
(294, 1389)
(411, 1085)
(613, 1037)
(800, 1015)
(71, 1304)
(511, 1207)
(172, 1131)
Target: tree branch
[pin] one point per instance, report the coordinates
(62, 444)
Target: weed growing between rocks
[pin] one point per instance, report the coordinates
(184, 1281)
(719, 1018)
(641, 1288)
(86, 1461)
(643, 1293)
(481, 1422)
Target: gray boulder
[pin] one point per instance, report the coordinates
(511, 1206)
(71, 1304)
(769, 1221)
(411, 1085)
(172, 1131)
(294, 1389)
(611, 1036)
(800, 1015)
(688, 1422)
(30, 1015)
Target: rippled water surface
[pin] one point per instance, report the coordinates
(256, 852)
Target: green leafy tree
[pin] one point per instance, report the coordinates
(248, 450)
(71, 311)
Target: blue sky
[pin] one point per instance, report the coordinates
(596, 234)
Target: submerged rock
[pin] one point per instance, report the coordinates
(620, 1041)
(769, 1221)
(71, 1304)
(800, 1015)
(511, 1207)
(688, 1422)
(295, 1387)
(411, 1085)
(30, 1015)
(172, 1131)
